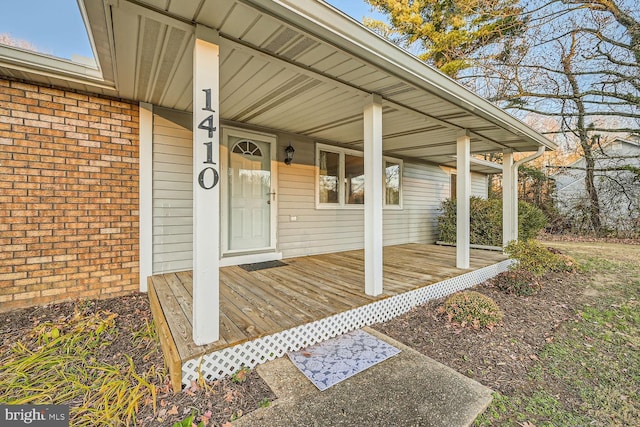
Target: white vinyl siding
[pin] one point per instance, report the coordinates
(616, 207)
(302, 228)
(305, 230)
(479, 185)
(424, 188)
(172, 197)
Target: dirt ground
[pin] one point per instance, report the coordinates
(220, 400)
(499, 358)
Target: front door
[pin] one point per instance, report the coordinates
(250, 192)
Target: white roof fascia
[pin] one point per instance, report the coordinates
(486, 163)
(346, 33)
(26, 61)
(604, 147)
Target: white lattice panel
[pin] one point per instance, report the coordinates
(229, 360)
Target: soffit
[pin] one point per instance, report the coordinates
(276, 75)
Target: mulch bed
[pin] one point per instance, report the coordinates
(499, 358)
(220, 400)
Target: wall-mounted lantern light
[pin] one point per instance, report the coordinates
(289, 154)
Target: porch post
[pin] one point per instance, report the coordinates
(145, 194)
(206, 192)
(373, 196)
(463, 193)
(509, 198)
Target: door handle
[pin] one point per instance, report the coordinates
(273, 196)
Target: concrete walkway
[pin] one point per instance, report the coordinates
(409, 389)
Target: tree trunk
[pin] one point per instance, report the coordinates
(592, 192)
(582, 131)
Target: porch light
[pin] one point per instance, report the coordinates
(289, 154)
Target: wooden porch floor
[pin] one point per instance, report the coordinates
(259, 303)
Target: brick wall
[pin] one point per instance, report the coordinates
(68, 195)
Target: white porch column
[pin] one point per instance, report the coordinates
(509, 199)
(373, 196)
(206, 192)
(145, 194)
(463, 193)
(510, 193)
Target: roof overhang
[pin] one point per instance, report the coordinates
(298, 66)
(46, 69)
(349, 35)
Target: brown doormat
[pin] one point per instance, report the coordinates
(262, 265)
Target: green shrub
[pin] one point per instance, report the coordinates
(531, 220)
(447, 221)
(517, 281)
(486, 221)
(471, 308)
(536, 259)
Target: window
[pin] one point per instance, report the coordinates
(354, 179)
(247, 147)
(329, 167)
(340, 182)
(392, 179)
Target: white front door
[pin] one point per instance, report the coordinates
(250, 192)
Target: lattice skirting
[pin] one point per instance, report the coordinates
(249, 354)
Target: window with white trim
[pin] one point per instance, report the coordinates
(392, 182)
(340, 179)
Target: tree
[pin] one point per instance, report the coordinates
(579, 63)
(8, 40)
(575, 61)
(451, 34)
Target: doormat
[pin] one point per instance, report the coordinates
(339, 358)
(262, 265)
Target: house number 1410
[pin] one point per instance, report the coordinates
(207, 125)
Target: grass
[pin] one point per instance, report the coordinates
(54, 364)
(590, 373)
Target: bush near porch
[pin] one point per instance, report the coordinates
(486, 221)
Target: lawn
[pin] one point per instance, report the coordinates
(589, 372)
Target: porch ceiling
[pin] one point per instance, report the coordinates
(296, 66)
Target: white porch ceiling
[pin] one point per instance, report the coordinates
(297, 66)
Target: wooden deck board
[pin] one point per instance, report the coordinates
(172, 358)
(180, 326)
(258, 303)
(278, 303)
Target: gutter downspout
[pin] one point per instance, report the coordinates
(534, 156)
(510, 194)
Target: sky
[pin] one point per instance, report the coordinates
(55, 27)
(355, 8)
